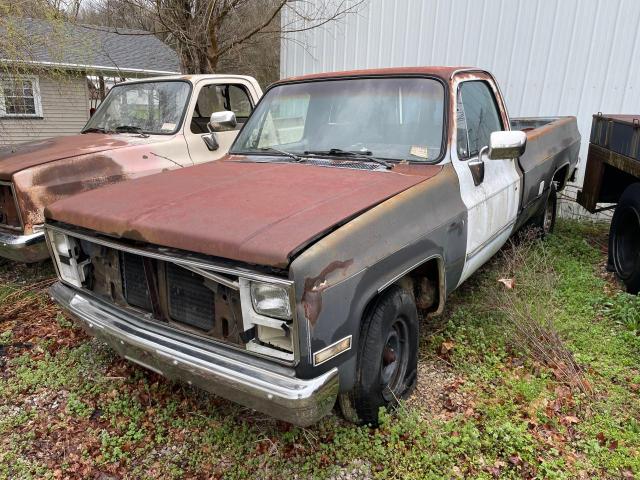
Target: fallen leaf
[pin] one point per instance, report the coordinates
(570, 419)
(509, 283)
(446, 347)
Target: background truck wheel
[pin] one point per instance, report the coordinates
(387, 357)
(546, 221)
(624, 238)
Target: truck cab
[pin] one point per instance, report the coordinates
(142, 127)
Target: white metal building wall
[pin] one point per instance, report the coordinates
(551, 57)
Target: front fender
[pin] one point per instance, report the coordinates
(339, 276)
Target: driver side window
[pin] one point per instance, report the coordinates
(216, 98)
(477, 117)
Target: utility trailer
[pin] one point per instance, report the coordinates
(613, 178)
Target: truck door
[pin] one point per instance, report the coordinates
(493, 203)
(215, 97)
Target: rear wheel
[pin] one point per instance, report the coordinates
(624, 238)
(387, 357)
(546, 221)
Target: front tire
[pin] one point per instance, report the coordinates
(624, 238)
(387, 357)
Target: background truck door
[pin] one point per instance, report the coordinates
(493, 204)
(216, 97)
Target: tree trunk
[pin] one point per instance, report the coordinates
(212, 47)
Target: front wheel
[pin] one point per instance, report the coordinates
(387, 357)
(624, 238)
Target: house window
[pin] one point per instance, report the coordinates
(20, 97)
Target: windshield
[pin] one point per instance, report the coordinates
(152, 107)
(388, 118)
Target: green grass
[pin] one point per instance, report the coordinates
(488, 409)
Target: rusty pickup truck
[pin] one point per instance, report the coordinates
(288, 276)
(142, 127)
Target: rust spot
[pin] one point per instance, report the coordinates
(62, 179)
(27, 155)
(314, 286)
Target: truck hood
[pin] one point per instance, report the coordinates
(259, 213)
(16, 158)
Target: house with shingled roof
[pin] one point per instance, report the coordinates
(52, 72)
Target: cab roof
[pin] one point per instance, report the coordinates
(443, 72)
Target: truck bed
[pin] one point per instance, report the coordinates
(549, 139)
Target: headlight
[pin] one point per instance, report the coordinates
(271, 300)
(60, 244)
(66, 255)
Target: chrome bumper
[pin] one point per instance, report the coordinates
(23, 248)
(214, 368)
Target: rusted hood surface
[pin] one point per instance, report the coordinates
(258, 213)
(23, 156)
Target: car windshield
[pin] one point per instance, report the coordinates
(387, 118)
(149, 107)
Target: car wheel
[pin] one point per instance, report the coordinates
(624, 238)
(387, 357)
(547, 220)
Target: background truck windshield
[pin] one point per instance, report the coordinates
(152, 107)
(393, 118)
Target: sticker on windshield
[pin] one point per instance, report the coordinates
(168, 127)
(419, 151)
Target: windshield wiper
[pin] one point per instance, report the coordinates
(282, 152)
(95, 129)
(365, 155)
(131, 129)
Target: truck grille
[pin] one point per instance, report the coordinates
(190, 301)
(8, 208)
(134, 283)
(180, 297)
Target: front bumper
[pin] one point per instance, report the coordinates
(23, 248)
(214, 368)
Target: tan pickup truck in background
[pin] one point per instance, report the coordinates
(142, 127)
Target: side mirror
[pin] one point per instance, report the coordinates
(507, 145)
(222, 121)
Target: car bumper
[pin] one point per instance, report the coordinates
(23, 248)
(213, 368)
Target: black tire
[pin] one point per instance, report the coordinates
(624, 239)
(546, 221)
(387, 357)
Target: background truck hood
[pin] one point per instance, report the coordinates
(260, 213)
(25, 155)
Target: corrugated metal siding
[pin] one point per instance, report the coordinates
(65, 110)
(551, 57)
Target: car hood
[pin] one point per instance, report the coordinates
(19, 157)
(259, 213)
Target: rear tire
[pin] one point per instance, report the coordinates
(624, 238)
(387, 357)
(546, 221)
